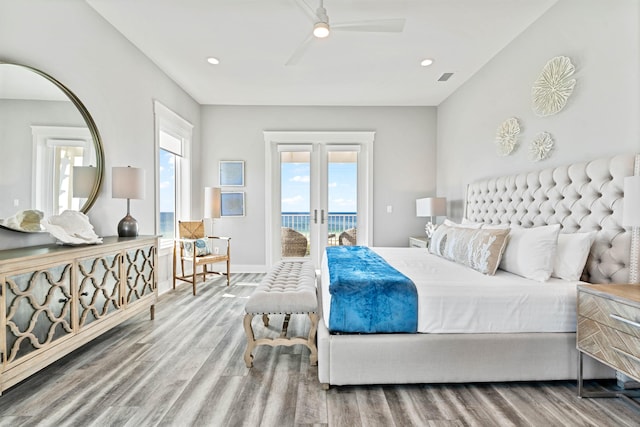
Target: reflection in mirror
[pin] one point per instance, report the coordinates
(47, 138)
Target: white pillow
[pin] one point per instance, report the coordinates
(571, 255)
(465, 224)
(530, 252)
(471, 224)
(495, 226)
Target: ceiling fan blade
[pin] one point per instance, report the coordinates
(300, 50)
(307, 10)
(393, 25)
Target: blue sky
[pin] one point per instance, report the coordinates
(167, 181)
(342, 187)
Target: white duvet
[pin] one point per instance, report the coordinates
(453, 298)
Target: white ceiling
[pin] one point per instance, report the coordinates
(254, 39)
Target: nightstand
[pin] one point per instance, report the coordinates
(418, 242)
(609, 331)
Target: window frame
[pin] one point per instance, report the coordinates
(171, 123)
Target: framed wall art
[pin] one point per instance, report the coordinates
(232, 173)
(232, 203)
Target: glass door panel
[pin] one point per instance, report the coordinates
(295, 203)
(342, 197)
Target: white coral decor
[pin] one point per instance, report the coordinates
(72, 228)
(507, 135)
(541, 147)
(554, 86)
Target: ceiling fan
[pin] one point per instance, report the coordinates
(322, 28)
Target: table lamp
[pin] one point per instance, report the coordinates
(211, 204)
(84, 177)
(127, 183)
(431, 207)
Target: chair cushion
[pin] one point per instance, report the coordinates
(200, 245)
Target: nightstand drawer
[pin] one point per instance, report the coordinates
(614, 314)
(611, 346)
(418, 242)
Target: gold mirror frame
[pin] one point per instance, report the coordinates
(93, 129)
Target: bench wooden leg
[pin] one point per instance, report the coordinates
(251, 341)
(311, 341)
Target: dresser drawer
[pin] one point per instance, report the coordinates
(619, 316)
(611, 346)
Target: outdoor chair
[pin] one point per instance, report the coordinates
(294, 244)
(348, 237)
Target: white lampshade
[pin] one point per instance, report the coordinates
(84, 178)
(431, 206)
(211, 202)
(127, 183)
(631, 203)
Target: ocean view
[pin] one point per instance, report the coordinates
(337, 222)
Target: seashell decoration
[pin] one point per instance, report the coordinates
(540, 148)
(552, 89)
(507, 136)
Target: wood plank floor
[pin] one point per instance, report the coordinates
(185, 368)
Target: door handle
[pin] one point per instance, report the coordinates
(322, 216)
(315, 216)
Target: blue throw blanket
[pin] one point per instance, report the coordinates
(368, 295)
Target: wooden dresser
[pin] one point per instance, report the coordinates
(56, 298)
(609, 329)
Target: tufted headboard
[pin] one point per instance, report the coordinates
(580, 197)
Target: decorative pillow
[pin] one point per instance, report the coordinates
(439, 239)
(201, 247)
(530, 252)
(571, 255)
(475, 248)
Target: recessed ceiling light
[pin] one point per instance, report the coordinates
(213, 61)
(426, 62)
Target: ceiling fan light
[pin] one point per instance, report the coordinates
(321, 30)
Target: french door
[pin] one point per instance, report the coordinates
(320, 196)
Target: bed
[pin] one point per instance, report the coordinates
(532, 337)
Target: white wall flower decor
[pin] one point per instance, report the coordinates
(541, 147)
(554, 86)
(507, 136)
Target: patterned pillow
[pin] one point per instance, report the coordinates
(201, 247)
(476, 248)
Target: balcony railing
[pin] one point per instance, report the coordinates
(337, 222)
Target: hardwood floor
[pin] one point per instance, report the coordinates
(186, 368)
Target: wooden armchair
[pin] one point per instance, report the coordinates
(192, 249)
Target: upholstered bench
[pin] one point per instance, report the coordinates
(289, 288)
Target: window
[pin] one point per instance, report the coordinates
(173, 136)
(169, 166)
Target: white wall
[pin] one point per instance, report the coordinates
(70, 41)
(601, 118)
(404, 165)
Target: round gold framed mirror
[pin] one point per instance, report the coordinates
(52, 154)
